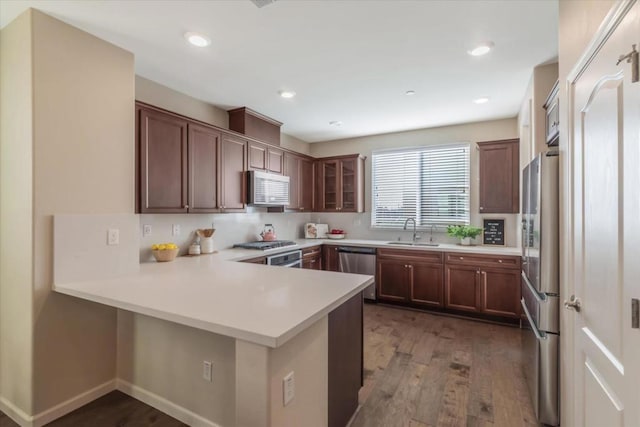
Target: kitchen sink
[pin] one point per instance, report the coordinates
(403, 243)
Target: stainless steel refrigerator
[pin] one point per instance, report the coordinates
(540, 285)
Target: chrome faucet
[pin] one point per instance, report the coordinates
(415, 234)
(431, 234)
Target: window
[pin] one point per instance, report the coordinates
(430, 184)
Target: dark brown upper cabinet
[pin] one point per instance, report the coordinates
(204, 153)
(264, 157)
(300, 172)
(232, 173)
(163, 163)
(340, 184)
(255, 125)
(499, 176)
(186, 166)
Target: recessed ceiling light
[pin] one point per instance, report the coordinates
(197, 39)
(482, 100)
(336, 123)
(287, 93)
(481, 49)
(410, 92)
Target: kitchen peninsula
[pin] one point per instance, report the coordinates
(277, 320)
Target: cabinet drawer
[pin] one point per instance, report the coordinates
(483, 260)
(312, 252)
(412, 255)
(259, 260)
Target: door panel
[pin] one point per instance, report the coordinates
(426, 284)
(462, 290)
(203, 169)
(501, 292)
(393, 280)
(232, 178)
(605, 226)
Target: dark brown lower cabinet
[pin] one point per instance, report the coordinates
(345, 360)
(330, 260)
(312, 258)
(462, 288)
(478, 288)
(410, 276)
(500, 292)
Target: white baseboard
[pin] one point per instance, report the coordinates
(15, 413)
(160, 403)
(45, 417)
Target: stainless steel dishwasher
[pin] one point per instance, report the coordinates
(359, 261)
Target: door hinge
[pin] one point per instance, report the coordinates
(632, 58)
(635, 313)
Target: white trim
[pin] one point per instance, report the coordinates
(608, 26)
(58, 410)
(15, 413)
(164, 405)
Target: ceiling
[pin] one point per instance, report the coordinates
(348, 61)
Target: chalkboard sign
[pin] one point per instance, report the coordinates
(493, 232)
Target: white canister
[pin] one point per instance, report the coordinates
(194, 249)
(206, 245)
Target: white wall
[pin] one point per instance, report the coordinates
(579, 22)
(358, 225)
(16, 211)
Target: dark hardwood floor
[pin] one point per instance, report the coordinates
(420, 370)
(428, 370)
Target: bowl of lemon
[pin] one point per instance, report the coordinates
(165, 252)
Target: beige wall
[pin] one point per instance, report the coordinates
(161, 96)
(16, 211)
(358, 225)
(84, 163)
(579, 22)
(166, 359)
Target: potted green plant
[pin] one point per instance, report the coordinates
(464, 232)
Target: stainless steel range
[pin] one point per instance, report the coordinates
(263, 246)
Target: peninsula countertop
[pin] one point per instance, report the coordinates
(256, 303)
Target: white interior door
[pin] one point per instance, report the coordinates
(604, 109)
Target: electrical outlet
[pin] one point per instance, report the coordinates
(146, 230)
(175, 230)
(207, 371)
(288, 388)
(113, 236)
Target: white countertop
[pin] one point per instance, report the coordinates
(256, 303)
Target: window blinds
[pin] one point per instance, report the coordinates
(430, 184)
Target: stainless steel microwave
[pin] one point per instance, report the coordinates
(267, 189)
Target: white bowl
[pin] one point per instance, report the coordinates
(335, 236)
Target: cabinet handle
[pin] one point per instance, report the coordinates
(301, 209)
(481, 208)
(186, 206)
(461, 257)
(410, 266)
(500, 261)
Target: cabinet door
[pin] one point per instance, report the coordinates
(499, 176)
(292, 170)
(232, 173)
(348, 185)
(203, 169)
(328, 179)
(393, 280)
(306, 186)
(257, 155)
(462, 290)
(500, 292)
(275, 160)
(427, 284)
(330, 258)
(163, 163)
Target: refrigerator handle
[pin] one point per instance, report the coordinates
(536, 294)
(540, 335)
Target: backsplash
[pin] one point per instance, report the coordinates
(358, 226)
(230, 228)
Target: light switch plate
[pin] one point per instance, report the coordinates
(146, 230)
(175, 230)
(206, 371)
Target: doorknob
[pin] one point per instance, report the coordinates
(572, 304)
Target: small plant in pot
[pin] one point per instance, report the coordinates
(464, 232)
